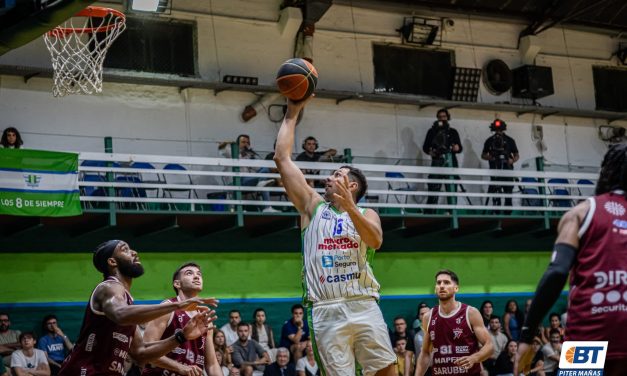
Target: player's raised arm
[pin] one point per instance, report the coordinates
(298, 191)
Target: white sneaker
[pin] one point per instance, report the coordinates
(270, 209)
(263, 183)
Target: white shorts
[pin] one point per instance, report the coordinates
(349, 330)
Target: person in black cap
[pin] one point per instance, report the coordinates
(109, 332)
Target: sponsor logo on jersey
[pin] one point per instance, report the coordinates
(609, 301)
(614, 208)
(335, 278)
(120, 337)
(326, 214)
(582, 358)
(337, 261)
(458, 320)
(327, 261)
(462, 349)
(329, 244)
(90, 342)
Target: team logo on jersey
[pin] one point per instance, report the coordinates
(581, 358)
(457, 333)
(326, 214)
(614, 208)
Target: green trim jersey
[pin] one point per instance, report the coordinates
(336, 262)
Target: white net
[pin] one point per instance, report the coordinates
(78, 49)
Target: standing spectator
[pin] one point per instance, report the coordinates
(512, 320)
(309, 154)
(9, 338)
(499, 340)
(405, 359)
(501, 153)
(282, 366)
(401, 331)
(504, 365)
(11, 139)
(552, 352)
(28, 360)
(262, 332)
(554, 323)
(441, 143)
(486, 310)
(248, 355)
(295, 332)
(307, 366)
(54, 343)
(419, 336)
(230, 329)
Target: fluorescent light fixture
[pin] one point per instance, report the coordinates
(150, 6)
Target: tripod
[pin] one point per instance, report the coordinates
(500, 164)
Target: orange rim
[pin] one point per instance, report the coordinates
(91, 11)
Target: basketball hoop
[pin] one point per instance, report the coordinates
(78, 51)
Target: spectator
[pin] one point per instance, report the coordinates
(9, 338)
(227, 369)
(554, 323)
(3, 369)
(282, 366)
(11, 139)
(309, 154)
(28, 360)
(418, 320)
(501, 153)
(552, 352)
(512, 320)
(419, 336)
(248, 355)
(246, 152)
(504, 365)
(54, 343)
(401, 331)
(262, 333)
(295, 333)
(537, 364)
(219, 342)
(307, 366)
(230, 329)
(486, 310)
(442, 143)
(405, 359)
(498, 339)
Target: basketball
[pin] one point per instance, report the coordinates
(297, 79)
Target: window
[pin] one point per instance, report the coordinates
(610, 88)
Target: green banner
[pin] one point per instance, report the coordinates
(39, 183)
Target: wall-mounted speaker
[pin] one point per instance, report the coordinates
(532, 81)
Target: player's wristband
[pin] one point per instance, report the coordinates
(179, 336)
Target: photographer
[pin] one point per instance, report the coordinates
(501, 153)
(442, 144)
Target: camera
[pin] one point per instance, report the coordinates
(440, 144)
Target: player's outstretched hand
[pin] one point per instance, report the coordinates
(344, 196)
(523, 359)
(194, 304)
(466, 361)
(199, 324)
(294, 108)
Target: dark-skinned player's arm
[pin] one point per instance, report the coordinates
(144, 352)
(553, 281)
(303, 196)
(422, 364)
(368, 225)
(110, 298)
(483, 336)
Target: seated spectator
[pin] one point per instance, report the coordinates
(227, 369)
(219, 343)
(295, 333)
(419, 336)
(3, 369)
(9, 338)
(282, 366)
(401, 331)
(307, 366)
(418, 321)
(246, 152)
(486, 310)
(405, 363)
(555, 322)
(54, 343)
(504, 365)
(499, 340)
(28, 360)
(11, 139)
(262, 333)
(537, 364)
(248, 355)
(230, 329)
(309, 154)
(552, 352)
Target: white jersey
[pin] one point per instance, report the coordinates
(336, 262)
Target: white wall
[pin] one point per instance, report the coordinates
(242, 38)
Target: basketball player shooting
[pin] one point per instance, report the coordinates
(339, 241)
(453, 330)
(591, 246)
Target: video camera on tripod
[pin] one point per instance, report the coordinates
(498, 145)
(441, 144)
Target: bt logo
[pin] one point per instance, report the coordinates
(583, 355)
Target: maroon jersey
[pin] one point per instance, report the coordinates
(189, 353)
(452, 338)
(597, 308)
(102, 345)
